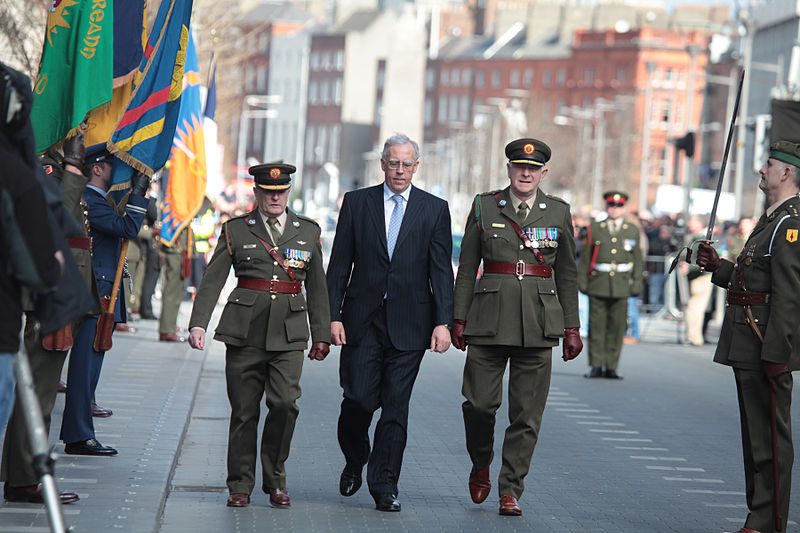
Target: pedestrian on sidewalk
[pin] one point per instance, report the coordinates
(265, 327)
(390, 279)
(760, 337)
(525, 301)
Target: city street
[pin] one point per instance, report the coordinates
(657, 452)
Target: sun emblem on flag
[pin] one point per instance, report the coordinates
(58, 17)
(274, 173)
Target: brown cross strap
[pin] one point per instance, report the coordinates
(525, 239)
(274, 253)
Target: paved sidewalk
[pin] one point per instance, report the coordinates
(656, 452)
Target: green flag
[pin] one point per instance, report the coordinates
(77, 67)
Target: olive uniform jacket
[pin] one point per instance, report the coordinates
(769, 263)
(502, 309)
(609, 252)
(274, 322)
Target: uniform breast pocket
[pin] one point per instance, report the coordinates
(498, 244)
(484, 311)
(296, 323)
(238, 313)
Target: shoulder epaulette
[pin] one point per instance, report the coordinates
(557, 199)
(489, 193)
(793, 209)
(308, 219)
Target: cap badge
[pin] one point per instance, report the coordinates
(274, 173)
(528, 149)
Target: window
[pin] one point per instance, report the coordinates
(622, 74)
(455, 77)
(466, 77)
(588, 76)
(444, 78)
(428, 112)
(313, 92)
(430, 79)
(380, 82)
(261, 83)
(464, 108)
(513, 79)
(669, 77)
(546, 78)
(527, 78)
(480, 79)
(309, 157)
(248, 78)
(333, 147)
(666, 111)
(337, 91)
(314, 60)
(324, 93)
(327, 63)
(263, 42)
(453, 111)
(340, 60)
(561, 77)
(442, 116)
(496, 79)
(322, 141)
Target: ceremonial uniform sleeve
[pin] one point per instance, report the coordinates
(566, 273)
(213, 281)
(779, 337)
(723, 275)
(584, 260)
(104, 218)
(468, 262)
(319, 317)
(72, 186)
(341, 260)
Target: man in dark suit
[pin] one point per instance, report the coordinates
(390, 282)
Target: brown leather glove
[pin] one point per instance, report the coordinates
(773, 370)
(572, 344)
(707, 257)
(457, 335)
(74, 150)
(319, 351)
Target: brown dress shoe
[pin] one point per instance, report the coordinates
(62, 386)
(170, 337)
(279, 497)
(238, 500)
(509, 506)
(479, 484)
(33, 494)
(101, 412)
(122, 326)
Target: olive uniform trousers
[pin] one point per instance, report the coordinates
(528, 386)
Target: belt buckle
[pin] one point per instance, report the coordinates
(272, 286)
(519, 269)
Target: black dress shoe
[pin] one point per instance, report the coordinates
(33, 494)
(387, 502)
(349, 482)
(595, 372)
(88, 447)
(612, 374)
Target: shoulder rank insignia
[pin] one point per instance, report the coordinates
(791, 235)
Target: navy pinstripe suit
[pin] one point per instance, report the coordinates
(386, 337)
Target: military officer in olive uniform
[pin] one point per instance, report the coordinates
(265, 327)
(609, 271)
(760, 337)
(526, 300)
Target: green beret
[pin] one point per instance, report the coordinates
(785, 151)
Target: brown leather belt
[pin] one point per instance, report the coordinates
(518, 269)
(270, 285)
(84, 243)
(748, 298)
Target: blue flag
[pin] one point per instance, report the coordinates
(143, 137)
